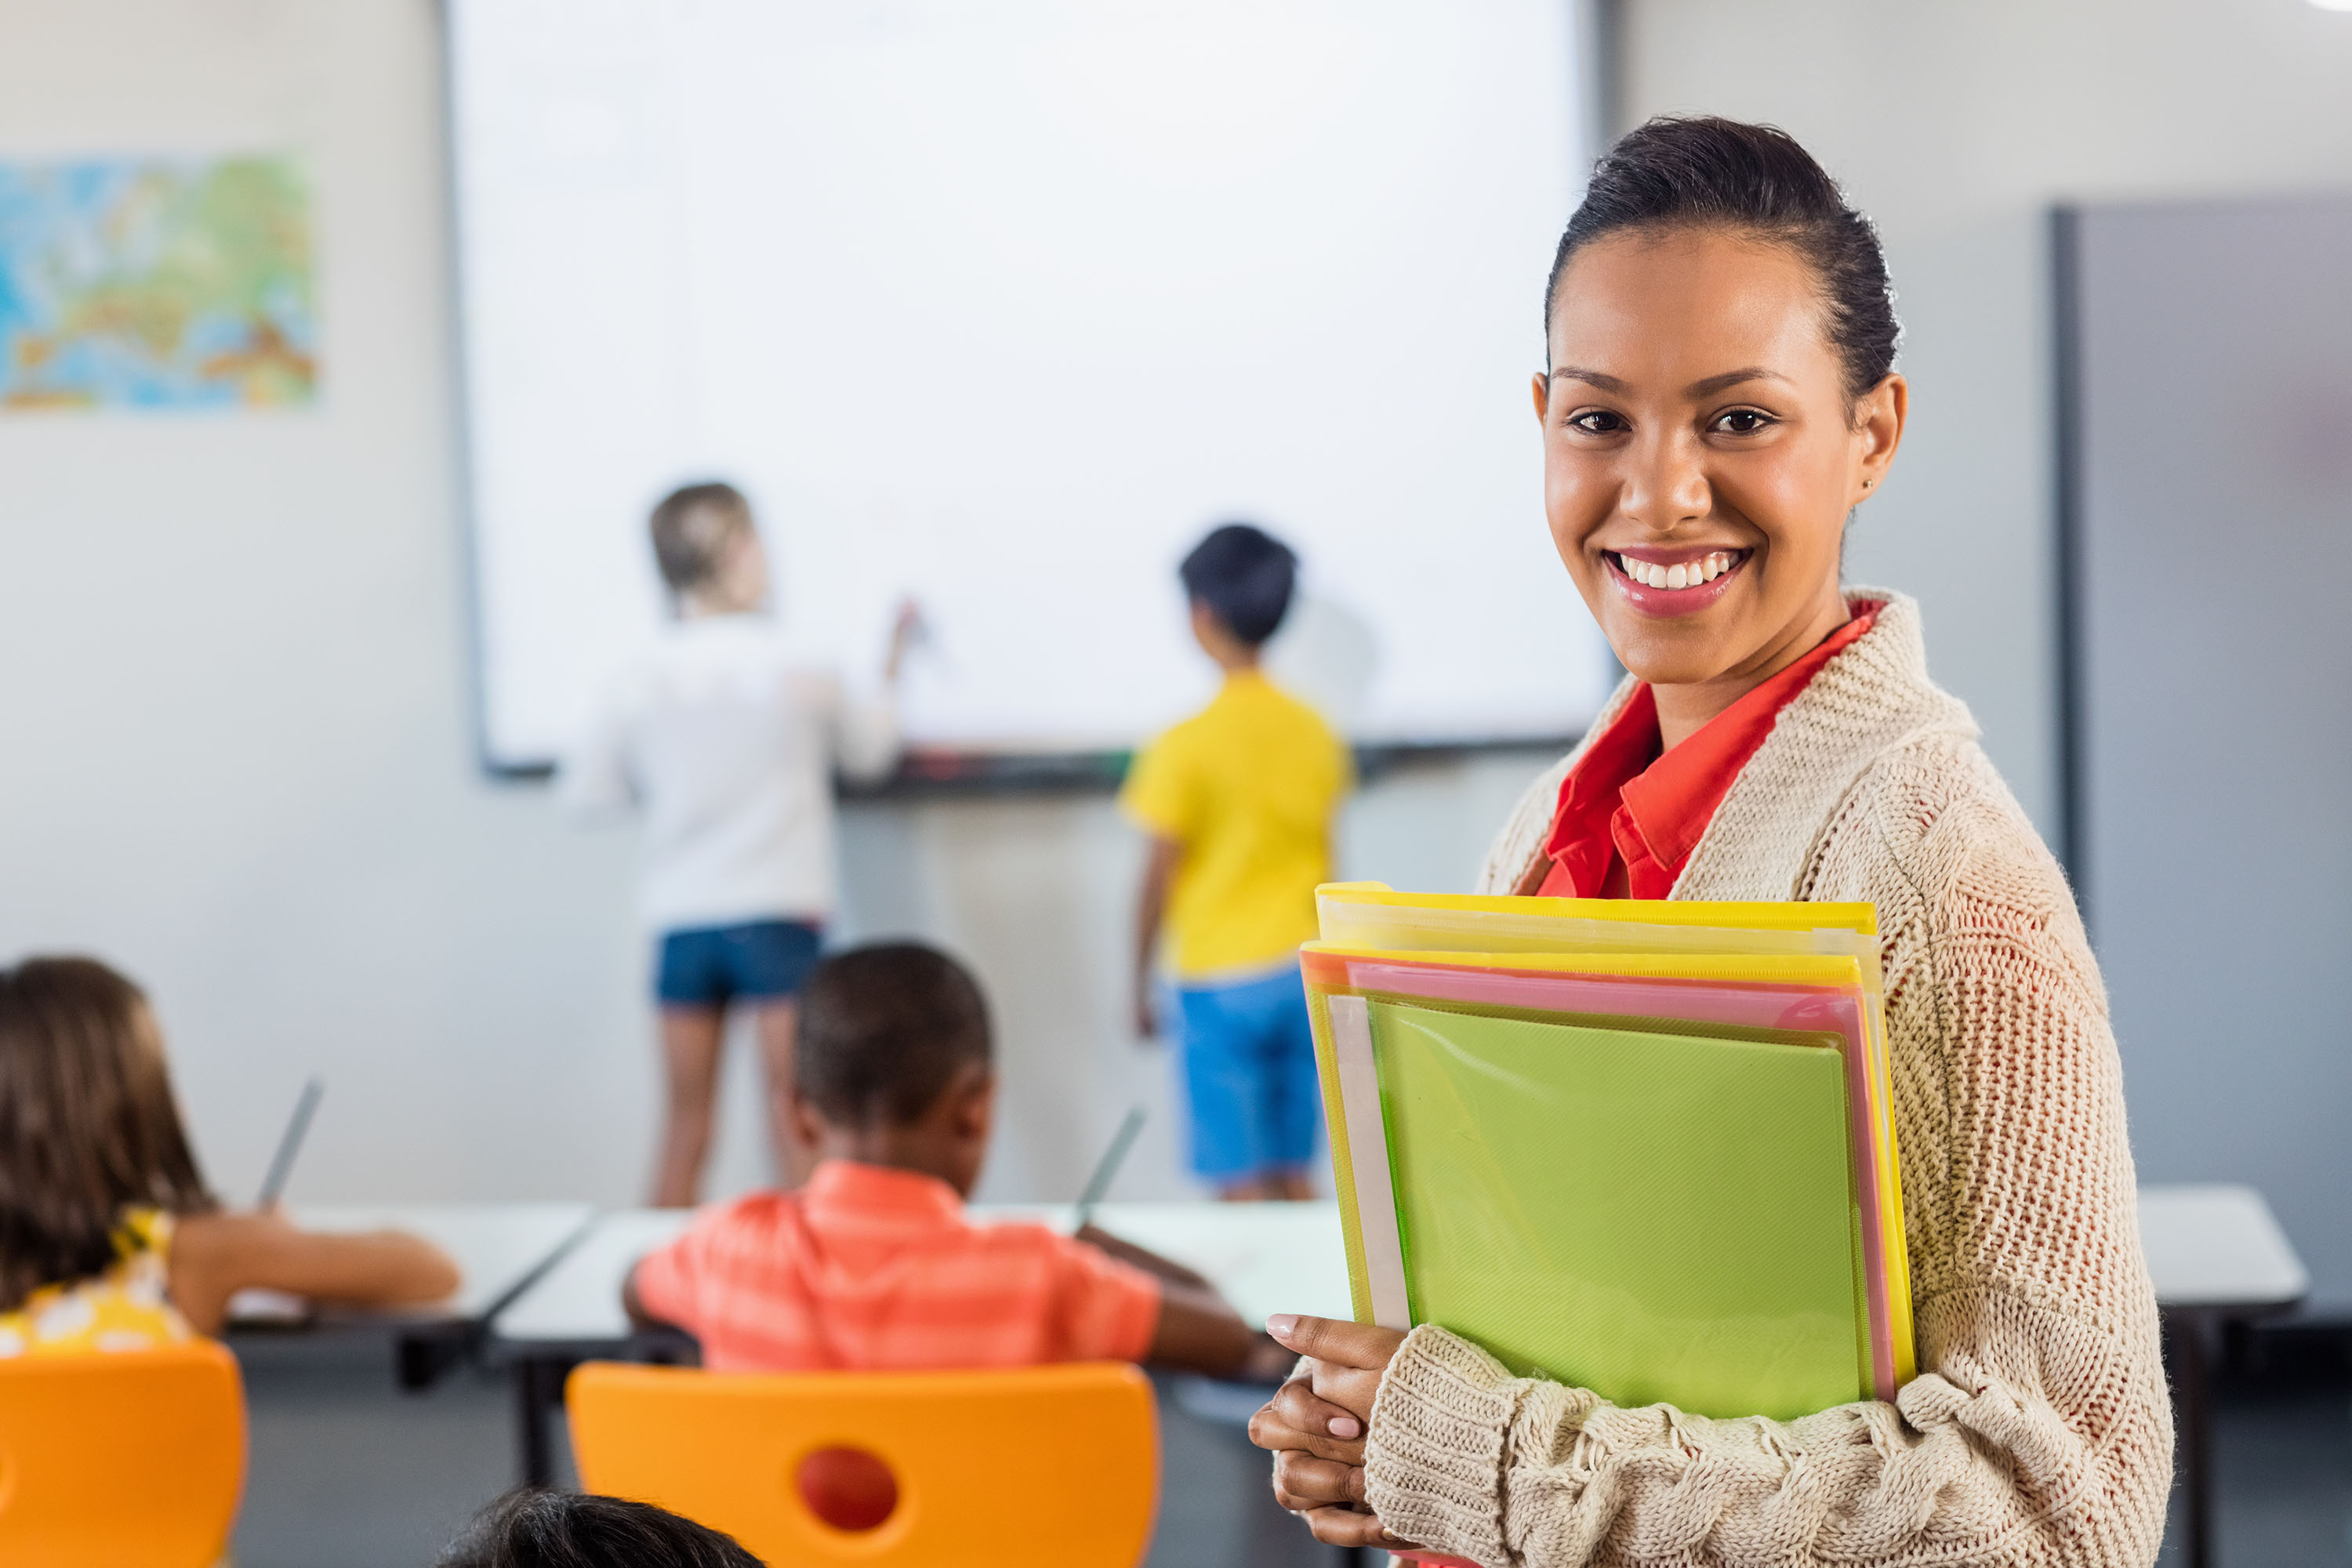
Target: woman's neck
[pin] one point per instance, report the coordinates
(1684, 710)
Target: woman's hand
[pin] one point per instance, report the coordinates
(1315, 1424)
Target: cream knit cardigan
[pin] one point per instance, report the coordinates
(2038, 1430)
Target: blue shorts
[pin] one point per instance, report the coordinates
(757, 961)
(1249, 1072)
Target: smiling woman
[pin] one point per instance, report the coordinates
(1720, 396)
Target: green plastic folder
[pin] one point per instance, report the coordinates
(1653, 1217)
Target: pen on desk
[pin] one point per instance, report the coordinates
(281, 1165)
(1106, 1168)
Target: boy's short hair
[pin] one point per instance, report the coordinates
(1245, 575)
(692, 527)
(883, 1031)
(529, 1528)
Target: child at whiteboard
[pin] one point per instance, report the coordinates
(727, 744)
(1238, 801)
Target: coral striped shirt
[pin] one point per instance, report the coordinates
(871, 1269)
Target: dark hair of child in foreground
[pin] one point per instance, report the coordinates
(533, 1529)
(874, 1265)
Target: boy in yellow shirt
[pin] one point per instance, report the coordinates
(1238, 800)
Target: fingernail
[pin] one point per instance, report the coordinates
(1282, 1325)
(1347, 1426)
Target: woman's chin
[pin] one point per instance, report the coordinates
(1679, 654)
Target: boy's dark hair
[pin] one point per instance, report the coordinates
(1245, 575)
(883, 1031)
(529, 1528)
(88, 1124)
(691, 528)
(1701, 171)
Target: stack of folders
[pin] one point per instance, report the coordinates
(1640, 1147)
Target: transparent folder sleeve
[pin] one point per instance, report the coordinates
(1841, 1010)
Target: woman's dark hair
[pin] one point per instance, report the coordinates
(533, 1529)
(885, 1030)
(88, 1125)
(1245, 575)
(1700, 172)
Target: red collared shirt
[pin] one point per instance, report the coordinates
(1630, 815)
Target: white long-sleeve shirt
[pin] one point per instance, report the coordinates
(729, 743)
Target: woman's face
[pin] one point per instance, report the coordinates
(1700, 454)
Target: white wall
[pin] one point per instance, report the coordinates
(235, 726)
(236, 756)
(1956, 126)
(235, 749)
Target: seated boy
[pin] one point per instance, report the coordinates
(873, 1265)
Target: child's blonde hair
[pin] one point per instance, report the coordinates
(692, 527)
(88, 1125)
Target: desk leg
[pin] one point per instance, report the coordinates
(1352, 1556)
(2192, 1337)
(539, 1387)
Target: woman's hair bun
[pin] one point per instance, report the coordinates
(1702, 172)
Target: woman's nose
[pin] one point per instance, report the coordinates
(1666, 483)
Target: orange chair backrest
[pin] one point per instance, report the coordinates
(120, 1460)
(1050, 1464)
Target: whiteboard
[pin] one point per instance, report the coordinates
(1002, 306)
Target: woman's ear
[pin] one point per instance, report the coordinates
(1878, 420)
(1542, 390)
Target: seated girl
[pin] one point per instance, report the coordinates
(109, 1239)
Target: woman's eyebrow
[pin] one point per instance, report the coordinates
(1707, 388)
(1730, 378)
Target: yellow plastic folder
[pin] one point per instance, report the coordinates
(1662, 1206)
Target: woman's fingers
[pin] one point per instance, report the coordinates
(1346, 1388)
(1267, 1430)
(1367, 1346)
(1302, 1481)
(1345, 1527)
(1296, 1407)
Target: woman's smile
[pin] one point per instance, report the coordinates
(1674, 582)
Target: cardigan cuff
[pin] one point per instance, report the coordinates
(1434, 1458)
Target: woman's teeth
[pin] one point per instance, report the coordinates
(1688, 575)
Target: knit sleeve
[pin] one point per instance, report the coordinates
(2038, 1432)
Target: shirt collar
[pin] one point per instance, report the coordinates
(1670, 797)
(883, 1190)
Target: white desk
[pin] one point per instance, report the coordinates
(2217, 1246)
(577, 1303)
(1264, 1258)
(2214, 1254)
(499, 1249)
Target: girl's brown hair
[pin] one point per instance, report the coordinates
(88, 1124)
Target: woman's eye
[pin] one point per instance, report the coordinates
(1743, 422)
(1597, 422)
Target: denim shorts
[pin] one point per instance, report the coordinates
(758, 961)
(1249, 1074)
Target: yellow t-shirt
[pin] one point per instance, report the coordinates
(124, 1308)
(1248, 787)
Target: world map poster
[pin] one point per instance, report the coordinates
(156, 283)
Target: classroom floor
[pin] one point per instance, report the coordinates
(348, 1472)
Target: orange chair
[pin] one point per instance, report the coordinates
(126, 1459)
(1050, 1463)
